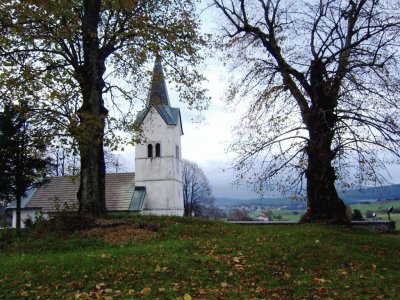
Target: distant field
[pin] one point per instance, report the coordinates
(377, 207)
(287, 215)
(187, 258)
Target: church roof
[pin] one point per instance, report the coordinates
(158, 94)
(170, 115)
(158, 98)
(60, 192)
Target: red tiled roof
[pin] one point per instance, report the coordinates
(60, 193)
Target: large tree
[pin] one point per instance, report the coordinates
(88, 45)
(197, 195)
(323, 82)
(23, 161)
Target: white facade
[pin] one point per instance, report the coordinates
(160, 172)
(26, 214)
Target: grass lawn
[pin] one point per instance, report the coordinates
(184, 258)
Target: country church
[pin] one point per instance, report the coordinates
(155, 187)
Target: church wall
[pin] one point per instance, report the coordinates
(156, 131)
(26, 214)
(162, 176)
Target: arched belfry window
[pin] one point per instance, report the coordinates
(149, 150)
(158, 150)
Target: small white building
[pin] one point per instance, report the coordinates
(155, 187)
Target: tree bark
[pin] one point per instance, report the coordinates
(92, 114)
(323, 202)
(18, 212)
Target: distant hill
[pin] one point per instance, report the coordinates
(272, 202)
(350, 196)
(373, 193)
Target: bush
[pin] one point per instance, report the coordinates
(239, 215)
(64, 224)
(369, 214)
(357, 215)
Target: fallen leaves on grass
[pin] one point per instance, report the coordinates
(121, 234)
(146, 291)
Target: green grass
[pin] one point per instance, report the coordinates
(206, 260)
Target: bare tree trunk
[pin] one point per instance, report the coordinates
(324, 204)
(91, 194)
(18, 212)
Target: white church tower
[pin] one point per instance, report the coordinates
(158, 161)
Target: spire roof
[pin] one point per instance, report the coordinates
(158, 94)
(158, 98)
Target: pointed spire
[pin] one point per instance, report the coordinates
(158, 94)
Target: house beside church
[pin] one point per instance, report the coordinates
(155, 187)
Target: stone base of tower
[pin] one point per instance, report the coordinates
(163, 197)
(163, 212)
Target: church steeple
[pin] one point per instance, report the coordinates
(158, 158)
(158, 94)
(158, 98)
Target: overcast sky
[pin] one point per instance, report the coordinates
(206, 143)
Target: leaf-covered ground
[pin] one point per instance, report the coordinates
(184, 258)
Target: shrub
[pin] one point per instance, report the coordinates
(239, 215)
(369, 214)
(357, 215)
(64, 224)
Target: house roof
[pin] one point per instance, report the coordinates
(60, 193)
(24, 199)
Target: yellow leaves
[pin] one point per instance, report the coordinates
(83, 295)
(320, 280)
(100, 286)
(187, 297)
(130, 292)
(202, 292)
(236, 259)
(224, 284)
(146, 291)
(23, 294)
(343, 272)
(105, 256)
(161, 270)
